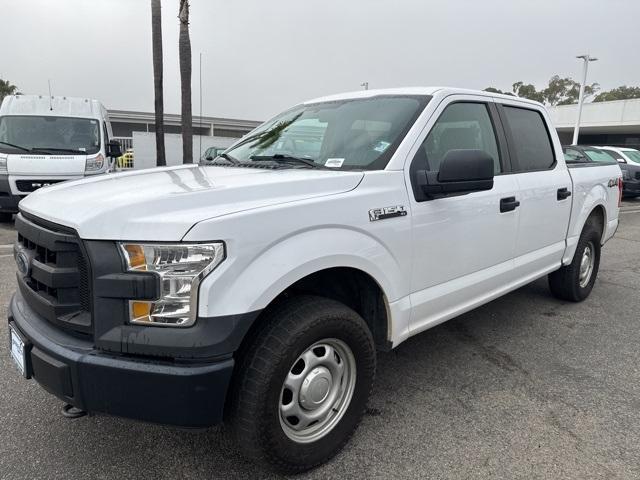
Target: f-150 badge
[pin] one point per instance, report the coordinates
(386, 212)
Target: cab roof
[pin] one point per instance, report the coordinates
(440, 91)
(52, 106)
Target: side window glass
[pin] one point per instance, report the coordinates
(461, 126)
(573, 156)
(531, 141)
(106, 134)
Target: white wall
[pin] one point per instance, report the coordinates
(144, 148)
(619, 114)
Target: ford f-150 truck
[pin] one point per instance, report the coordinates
(258, 289)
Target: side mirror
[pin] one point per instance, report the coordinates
(461, 171)
(622, 160)
(209, 158)
(113, 149)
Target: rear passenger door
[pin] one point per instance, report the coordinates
(544, 188)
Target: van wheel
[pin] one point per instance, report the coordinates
(574, 282)
(5, 217)
(303, 385)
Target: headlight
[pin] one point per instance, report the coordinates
(180, 267)
(3, 164)
(94, 164)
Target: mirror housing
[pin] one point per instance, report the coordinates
(622, 160)
(113, 149)
(461, 171)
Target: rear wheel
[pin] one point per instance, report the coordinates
(575, 281)
(302, 387)
(5, 217)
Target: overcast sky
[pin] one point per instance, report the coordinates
(261, 56)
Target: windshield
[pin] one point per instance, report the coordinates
(600, 156)
(633, 155)
(355, 134)
(59, 135)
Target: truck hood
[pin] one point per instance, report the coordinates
(162, 204)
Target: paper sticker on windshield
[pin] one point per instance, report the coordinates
(334, 162)
(381, 146)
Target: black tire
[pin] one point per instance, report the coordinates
(5, 217)
(565, 283)
(288, 330)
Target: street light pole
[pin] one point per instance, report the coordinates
(586, 59)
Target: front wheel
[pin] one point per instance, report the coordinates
(574, 282)
(303, 385)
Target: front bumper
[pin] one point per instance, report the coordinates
(8, 200)
(189, 394)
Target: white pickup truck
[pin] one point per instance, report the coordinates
(257, 289)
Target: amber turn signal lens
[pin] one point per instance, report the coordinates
(136, 257)
(140, 309)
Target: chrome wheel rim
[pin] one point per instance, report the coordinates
(587, 263)
(317, 390)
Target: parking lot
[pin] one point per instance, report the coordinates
(524, 387)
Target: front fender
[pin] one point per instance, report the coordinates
(242, 285)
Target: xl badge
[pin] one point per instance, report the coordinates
(386, 212)
(23, 260)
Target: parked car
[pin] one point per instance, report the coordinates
(629, 161)
(259, 288)
(46, 140)
(210, 154)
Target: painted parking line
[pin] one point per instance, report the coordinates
(630, 211)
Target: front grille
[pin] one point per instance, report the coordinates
(57, 283)
(33, 185)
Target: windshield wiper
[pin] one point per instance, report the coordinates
(24, 149)
(229, 158)
(52, 149)
(284, 158)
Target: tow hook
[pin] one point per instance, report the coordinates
(69, 411)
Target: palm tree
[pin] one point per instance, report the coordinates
(156, 42)
(184, 50)
(6, 89)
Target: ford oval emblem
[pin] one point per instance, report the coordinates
(23, 261)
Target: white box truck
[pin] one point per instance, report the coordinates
(46, 140)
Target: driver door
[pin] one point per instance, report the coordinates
(463, 245)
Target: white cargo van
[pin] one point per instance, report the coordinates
(46, 140)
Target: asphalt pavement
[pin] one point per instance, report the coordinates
(524, 387)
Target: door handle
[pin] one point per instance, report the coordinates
(508, 204)
(563, 193)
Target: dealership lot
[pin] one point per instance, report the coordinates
(526, 386)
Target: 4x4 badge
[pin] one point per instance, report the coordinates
(386, 212)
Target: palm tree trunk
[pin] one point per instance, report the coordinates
(184, 50)
(156, 42)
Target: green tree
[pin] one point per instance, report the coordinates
(527, 90)
(7, 89)
(620, 93)
(496, 90)
(566, 91)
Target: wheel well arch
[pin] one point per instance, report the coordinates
(599, 215)
(351, 286)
